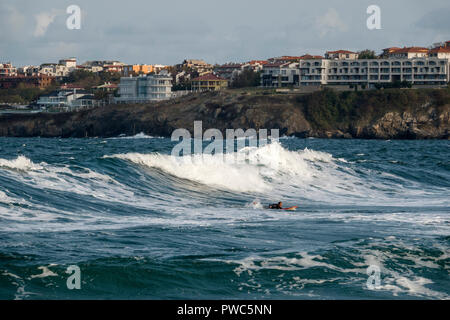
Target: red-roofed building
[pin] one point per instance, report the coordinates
(209, 82)
(341, 55)
(409, 53)
(440, 53)
(230, 70)
(310, 57)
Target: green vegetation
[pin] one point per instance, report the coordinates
(22, 94)
(367, 54)
(247, 78)
(329, 109)
(87, 79)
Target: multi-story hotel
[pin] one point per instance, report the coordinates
(146, 88)
(412, 65)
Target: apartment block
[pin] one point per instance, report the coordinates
(141, 89)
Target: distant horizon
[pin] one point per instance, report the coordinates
(139, 32)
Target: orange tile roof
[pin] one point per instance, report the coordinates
(411, 49)
(340, 51)
(258, 61)
(209, 77)
(308, 56)
(440, 50)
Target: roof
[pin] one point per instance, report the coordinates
(258, 61)
(209, 77)
(340, 51)
(308, 57)
(276, 64)
(411, 50)
(440, 50)
(87, 96)
(230, 65)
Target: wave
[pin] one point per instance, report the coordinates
(140, 135)
(248, 170)
(21, 163)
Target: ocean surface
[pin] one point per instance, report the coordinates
(141, 224)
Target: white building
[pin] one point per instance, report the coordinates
(155, 87)
(67, 99)
(280, 74)
(428, 71)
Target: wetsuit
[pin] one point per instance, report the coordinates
(275, 206)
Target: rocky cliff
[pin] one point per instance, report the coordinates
(359, 117)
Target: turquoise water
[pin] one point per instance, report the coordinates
(141, 225)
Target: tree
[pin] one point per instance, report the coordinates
(247, 78)
(367, 54)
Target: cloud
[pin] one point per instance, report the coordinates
(330, 22)
(43, 21)
(436, 20)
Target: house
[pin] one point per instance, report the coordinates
(108, 87)
(341, 55)
(408, 53)
(70, 63)
(200, 66)
(113, 68)
(440, 53)
(7, 69)
(257, 65)
(69, 99)
(137, 69)
(39, 81)
(28, 70)
(145, 88)
(230, 71)
(209, 82)
(280, 74)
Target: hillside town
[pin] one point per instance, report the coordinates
(67, 85)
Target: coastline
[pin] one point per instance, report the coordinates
(375, 114)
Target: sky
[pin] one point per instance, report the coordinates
(169, 31)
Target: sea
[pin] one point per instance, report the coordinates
(124, 218)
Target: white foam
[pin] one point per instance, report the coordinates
(21, 163)
(140, 135)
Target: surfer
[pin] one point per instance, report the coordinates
(278, 206)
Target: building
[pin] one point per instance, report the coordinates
(257, 65)
(7, 70)
(341, 55)
(230, 71)
(113, 68)
(67, 99)
(40, 81)
(137, 69)
(28, 70)
(369, 72)
(70, 63)
(280, 74)
(209, 82)
(440, 52)
(200, 66)
(141, 89)
(284, 59)
(107, 87)
(407, 53)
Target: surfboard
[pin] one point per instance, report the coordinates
(290, 208)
